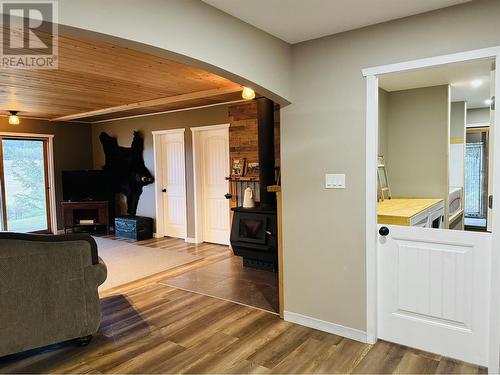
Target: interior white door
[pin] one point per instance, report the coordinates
(434, 291)
(173, 184)
(491, 135)
(215, 169)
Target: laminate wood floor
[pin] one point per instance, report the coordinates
(148, 327)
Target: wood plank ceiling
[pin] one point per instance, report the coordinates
(99, 81)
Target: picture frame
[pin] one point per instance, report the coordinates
(238, 167)
(252, 169)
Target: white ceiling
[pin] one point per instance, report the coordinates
(461, 78)
(295, 21)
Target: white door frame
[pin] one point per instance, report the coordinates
(158, 170)
(198, 193)
(371, 142)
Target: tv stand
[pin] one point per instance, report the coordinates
(90, 215)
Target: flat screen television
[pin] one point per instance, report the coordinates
(89, 185)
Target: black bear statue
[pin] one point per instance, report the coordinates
(126, 168)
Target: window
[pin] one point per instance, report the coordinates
(23, 178)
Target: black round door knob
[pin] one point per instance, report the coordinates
(383, 231)
(164, 190)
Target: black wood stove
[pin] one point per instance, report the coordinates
(254, 233)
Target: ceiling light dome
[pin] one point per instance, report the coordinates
(13, 118)
(248, 93)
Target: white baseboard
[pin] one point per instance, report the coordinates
(325, 326)
(191, 240)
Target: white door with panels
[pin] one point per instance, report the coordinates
(434, 290)
(214, 170)
(173, 184)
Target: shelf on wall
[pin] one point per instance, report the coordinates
(244, 179)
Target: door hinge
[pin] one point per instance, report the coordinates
(490, 201)
(492, 105)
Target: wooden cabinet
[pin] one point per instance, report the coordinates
(91, 214)
(414, 212)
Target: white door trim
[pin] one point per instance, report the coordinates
(494, 357)
(371, 193)
(477, 54)
(158, 170)
(198, 217)
(50, 170)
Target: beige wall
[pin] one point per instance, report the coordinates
(417, 142)
(458, 119)
(72, 147)
(123, 130)
(478, 116)
(324, 131)
(383, 107)
(191, 31)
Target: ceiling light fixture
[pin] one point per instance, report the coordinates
(247, 93)
(476, 83)
(13, 118)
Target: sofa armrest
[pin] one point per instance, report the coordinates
(96, 274)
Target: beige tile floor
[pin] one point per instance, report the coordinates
(229, 280)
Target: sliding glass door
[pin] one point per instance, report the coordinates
(23, 179)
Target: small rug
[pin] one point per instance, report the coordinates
(127, 262)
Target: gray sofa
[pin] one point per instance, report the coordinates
(48, 290)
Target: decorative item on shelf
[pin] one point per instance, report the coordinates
(238, 167)
(86, 222)
(248, 201)
(252, 169)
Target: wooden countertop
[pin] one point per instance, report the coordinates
(399, 211)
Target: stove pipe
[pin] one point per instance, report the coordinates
(265, 121)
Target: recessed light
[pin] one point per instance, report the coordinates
(476, 83)
(488, 101)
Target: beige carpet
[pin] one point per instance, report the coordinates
(128, 262)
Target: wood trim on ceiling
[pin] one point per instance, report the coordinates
(152, 103)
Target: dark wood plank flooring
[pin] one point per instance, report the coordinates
(148, 327)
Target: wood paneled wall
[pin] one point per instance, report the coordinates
(243, 138)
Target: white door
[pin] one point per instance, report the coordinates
(173, 184)
(215, 169)
(434, 291)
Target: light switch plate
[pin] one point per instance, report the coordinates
(334, 181)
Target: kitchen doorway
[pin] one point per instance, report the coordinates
(398, 276)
